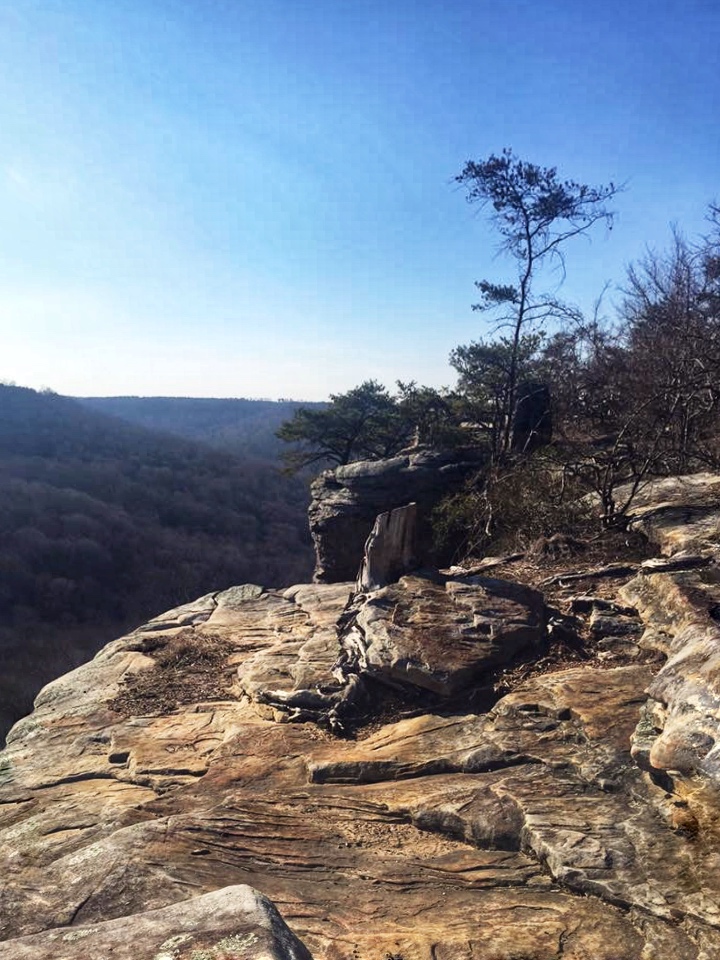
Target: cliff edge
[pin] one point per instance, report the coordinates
(456, 766)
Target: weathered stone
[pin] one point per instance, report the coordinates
(444, 635)
(599, 605)
(480, 829)
(346, 502)
(605, 625)
(235, 922)
(295, 648)
(617, 648)
(679, 514)
(390, 550)
(423, 635)
(517, 832)
(679, 737)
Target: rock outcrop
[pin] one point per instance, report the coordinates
(679, 599)
(531, 427)
(235, 922)
(499, 791)
(337, 657)
(346, 502)
(390, 550)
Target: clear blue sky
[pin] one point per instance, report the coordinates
(254, 198)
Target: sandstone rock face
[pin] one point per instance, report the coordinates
(346, 502)
(335, 655)
(679, 597)
(390, 550)
(443, 635)
(153, 785)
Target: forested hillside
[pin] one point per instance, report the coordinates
(242, 427)
(104, 524)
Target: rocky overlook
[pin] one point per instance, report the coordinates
(512, 762)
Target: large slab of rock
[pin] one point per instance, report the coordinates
(325, 648)
(291, 666)
(444, 634)
(678, 513)
(390, 550)
(235, 923)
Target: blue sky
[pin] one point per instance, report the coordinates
(254, 197)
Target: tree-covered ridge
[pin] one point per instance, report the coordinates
(104, 524)
(370, 423)
(242, 427)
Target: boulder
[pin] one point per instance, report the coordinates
(443, 635)
(531, 427)
(347, 501)
(227, 923)
(291, 666)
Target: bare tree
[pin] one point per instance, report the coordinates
(672, 337)
(645, 399)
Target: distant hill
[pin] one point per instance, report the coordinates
(243, 427)
(104, 524)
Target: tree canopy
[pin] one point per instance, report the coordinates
(369, 423)
(535, 214)
(364, 423)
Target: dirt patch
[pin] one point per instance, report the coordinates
(192, 667)
(611, 547)
(574, 644)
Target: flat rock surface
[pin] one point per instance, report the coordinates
(157, 776)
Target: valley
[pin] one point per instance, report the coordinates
(104, 523)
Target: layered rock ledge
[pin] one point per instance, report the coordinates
(678, 597)
(346, 501)
(189, 777)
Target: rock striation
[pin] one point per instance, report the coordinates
(235, 922)
(678, 597)
(346, 502)
(492, 795)
(424, 640)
